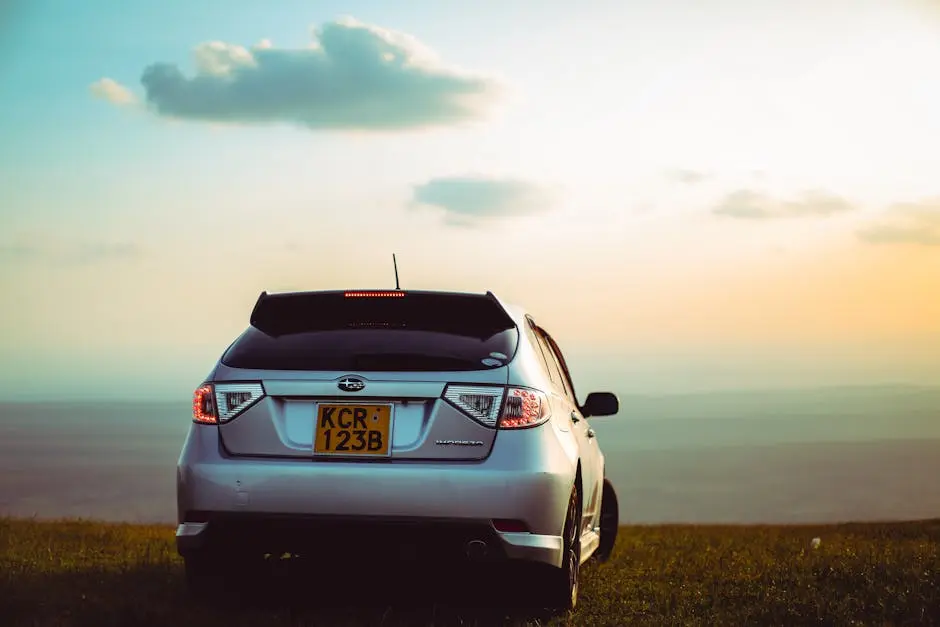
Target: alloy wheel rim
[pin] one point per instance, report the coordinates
(573, 550)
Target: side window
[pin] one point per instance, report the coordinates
(562, 368)
(555, 368)
(541, 349)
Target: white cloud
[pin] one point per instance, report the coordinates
(112, 91)
(352, 76)
(23, 250)
(685, 176)
(468, 201)
(219, 59)
(749, 204)
(907, 223)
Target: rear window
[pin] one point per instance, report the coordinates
(411, 332)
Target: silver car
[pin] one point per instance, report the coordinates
(371, 424)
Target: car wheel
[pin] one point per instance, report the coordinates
(610, 522)
(564, 582)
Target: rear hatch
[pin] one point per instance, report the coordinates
(366, 375)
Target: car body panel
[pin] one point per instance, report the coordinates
(545, 363)
(525, 470)
(424, 426)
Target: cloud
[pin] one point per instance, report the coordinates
(686, 177)
(75, 253)
(352, 76)
(104, 251)
(18, 252)
(112, 91)
(468, 201)
(753, 205)
(907, 223)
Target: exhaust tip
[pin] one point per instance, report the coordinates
(477, 549)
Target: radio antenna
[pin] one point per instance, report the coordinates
(395, 263)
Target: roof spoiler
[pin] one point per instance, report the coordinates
(257, 307)
(478, 315)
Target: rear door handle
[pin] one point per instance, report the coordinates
(590, 433)
(574, 416)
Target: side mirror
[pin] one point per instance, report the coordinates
(600, 404)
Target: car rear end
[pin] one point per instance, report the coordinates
(374, 424)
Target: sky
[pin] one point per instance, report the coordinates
(689, 195)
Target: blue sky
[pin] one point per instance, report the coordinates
(695, 194)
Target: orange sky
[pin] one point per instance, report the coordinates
(660, 162)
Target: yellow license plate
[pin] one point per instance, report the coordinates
(344, 429)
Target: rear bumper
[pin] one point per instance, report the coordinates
(335, 539)
(438, 508)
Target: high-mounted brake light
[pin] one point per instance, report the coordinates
(220, 402)
(375, 294)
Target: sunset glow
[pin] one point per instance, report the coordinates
(740, 196)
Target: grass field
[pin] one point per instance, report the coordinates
(89, 573)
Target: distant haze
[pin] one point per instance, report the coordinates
(156, 375)
(806, 456)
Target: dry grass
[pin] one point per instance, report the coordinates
(89, 573)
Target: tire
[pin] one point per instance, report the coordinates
(610, 522)
(564, 582)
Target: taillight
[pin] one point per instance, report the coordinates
(232, 399)
(512, 408)
(204, 407)
(524, 408)
(220, 402)
(480, 402)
